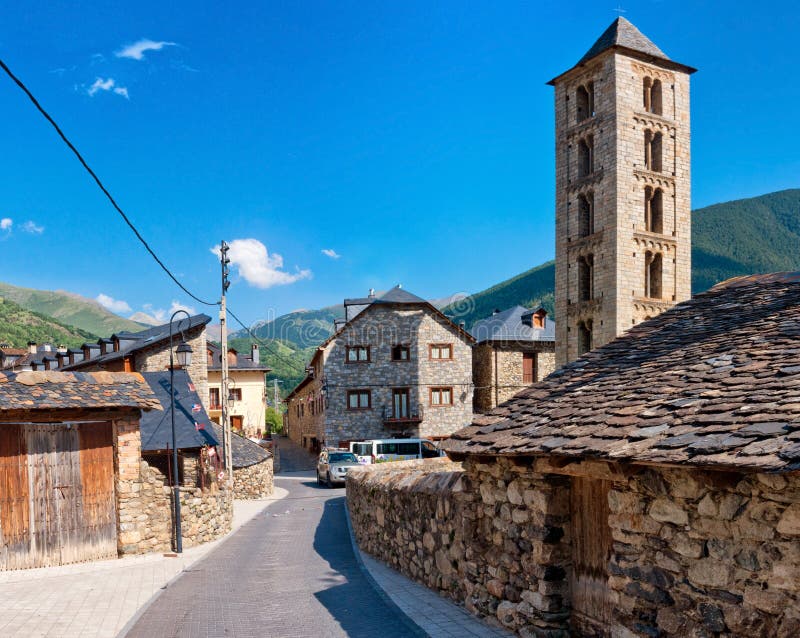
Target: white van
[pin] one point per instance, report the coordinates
(383, 450)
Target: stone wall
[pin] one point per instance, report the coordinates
(498, 370)
(254, 481)
(694, 554)
(144, 502)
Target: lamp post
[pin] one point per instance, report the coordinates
(184, 355)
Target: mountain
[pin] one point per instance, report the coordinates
(19, 325)
(70, 309)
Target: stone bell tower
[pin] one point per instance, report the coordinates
(623, 207)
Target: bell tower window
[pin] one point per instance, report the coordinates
(585, 214)
(584, 336)
(585, 156)
(654, 209)
(651, 90)
(652, 151)
(653, 264)
(585, 277)
(584, 101)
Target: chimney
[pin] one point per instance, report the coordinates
(61, 348)
(496, 311)
(371, 293)
(254, 353)
(32, 347)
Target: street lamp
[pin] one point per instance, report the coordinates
(184, 355)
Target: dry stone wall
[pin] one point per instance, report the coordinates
(254, 481)
(694, 553)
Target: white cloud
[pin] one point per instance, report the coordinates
(330, 252)
(257, 267)
(107, 85)
(137, 50)
(161, 315)
(33, 228)
(114, 305)
(6, 223)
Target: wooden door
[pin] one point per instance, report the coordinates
(236, 422)
(400, 403)
(15, 538)
(528, 374)
(98, 506)
(591, 550)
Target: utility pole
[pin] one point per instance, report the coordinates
(223, 321)
(275, 405)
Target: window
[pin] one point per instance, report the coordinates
(585, 277)
(235, 394)
(654, 209)
(213, 398)
(585, 157)
(585, 214)
(652, 275)
(651, 92)
(584, 336)
(359, 399)
(401, 353)
(652, 151)
(528, 367)
(441, 396)
(584, 100)
(440, 351)
(357, 354)
(400, 403)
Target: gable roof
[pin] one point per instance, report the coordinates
(90, 390)
(624, 36)
(156, 427)
(714, 381)
(509, 326)
(132, 342)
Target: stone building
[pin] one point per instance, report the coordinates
(398, 368)
(649, 488)
(513, 349)
(247, 389)
(623, 227)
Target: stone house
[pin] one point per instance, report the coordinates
(253, 467)
(247, 396)
(513, 349)
(145, 351)
(69, 458)
(398, 368)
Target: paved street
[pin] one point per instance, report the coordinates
(289, 573)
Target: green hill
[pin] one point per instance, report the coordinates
(19, 325)
(302, 328)
(70, 309)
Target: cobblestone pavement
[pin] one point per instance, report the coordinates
(289, 573)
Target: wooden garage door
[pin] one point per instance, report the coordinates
(591, 550)
(64, 509)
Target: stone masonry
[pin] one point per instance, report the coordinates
(498, 368)
(618, 244)
(694, 553)
(254, 481)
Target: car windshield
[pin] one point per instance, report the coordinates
(342, 457)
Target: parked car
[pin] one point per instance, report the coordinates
(332, 466)
(383, 450)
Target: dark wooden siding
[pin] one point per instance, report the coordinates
(14, 505)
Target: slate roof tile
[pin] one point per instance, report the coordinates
(713, 381)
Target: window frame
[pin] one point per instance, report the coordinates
(237, 394)
(440, 346)
(214, 404)
(358, 392)
(439, 389)
(401, 347)
(349, 349)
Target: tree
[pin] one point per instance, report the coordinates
(273, 421)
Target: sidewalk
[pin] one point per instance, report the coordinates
(98, 599)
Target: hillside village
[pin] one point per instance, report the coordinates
(608, 444)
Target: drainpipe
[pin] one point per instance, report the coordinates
(496, 380)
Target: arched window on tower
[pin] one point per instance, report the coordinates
(652, 151)
(585, 214)
(653, 209)
(584, 336)
(652, 95)
(585, 277)
(652, 275)
(584, 101)
(585, 156)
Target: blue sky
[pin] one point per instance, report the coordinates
(414, 139)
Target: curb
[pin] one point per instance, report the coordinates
(413, 627)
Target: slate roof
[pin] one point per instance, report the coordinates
(622, 34)
(509, 326)
(53, 390)
(715, 381)
(243, 361)
(131, 342)
(244, 452)
(156, 427)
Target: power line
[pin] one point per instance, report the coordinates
(85, 165)
(263, 343)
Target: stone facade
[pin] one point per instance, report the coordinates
(144, 501)
(694, 553)
(254, 481)
(618, 244)
(325, 416)
(498, 370)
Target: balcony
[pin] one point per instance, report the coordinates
(402, 420)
